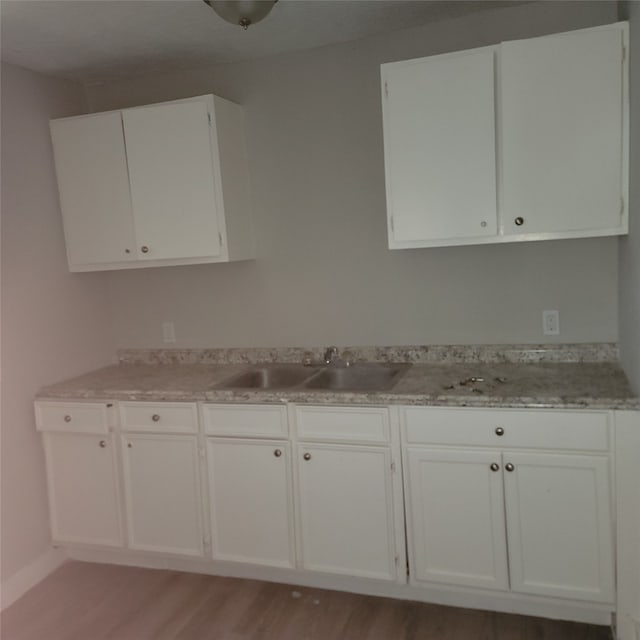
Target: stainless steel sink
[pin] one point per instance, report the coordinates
(269, 377)
(358, 377)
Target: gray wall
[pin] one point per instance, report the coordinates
(629, 279)
(54, 324)
(324, 274)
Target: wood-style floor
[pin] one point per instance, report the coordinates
(83, 601)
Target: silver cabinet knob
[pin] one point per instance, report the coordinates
(495, 466)
(155, 417)
(499, 431)
(127, 250)
(103, 444)
(129, 445)
(277, 453)
(519, 221)
(509, 467)
(307, 456)
(67, 418)
(144, 249)
(483, 224)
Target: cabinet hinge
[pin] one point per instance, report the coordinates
(392, 224)
(393, 467)
(220, 239)
(624, 53)
(397, 559)
(386, 90)
(621, 207)
(209, 118)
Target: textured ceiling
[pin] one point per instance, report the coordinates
(91, 40)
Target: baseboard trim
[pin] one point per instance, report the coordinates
(19, 583)
(504, 602)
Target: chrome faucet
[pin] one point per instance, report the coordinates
(330, 354)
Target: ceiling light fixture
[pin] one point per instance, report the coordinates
(242, 12)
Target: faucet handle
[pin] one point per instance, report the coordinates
(330, 354)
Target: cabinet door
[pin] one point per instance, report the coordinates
(346, 510)
(83, 489)
(251, 501)
(439, 138)
(162, 491)
(93, 183)
(172, 180)
(455, 514)
(562, 128)
(559, 525)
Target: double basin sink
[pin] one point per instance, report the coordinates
(363, 377)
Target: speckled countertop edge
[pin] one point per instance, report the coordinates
(585, 380)
(582, 352)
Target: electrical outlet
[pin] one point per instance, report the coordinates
(168, 332)
(551, 322)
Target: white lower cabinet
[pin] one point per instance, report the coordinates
(345, 491)
(83, 489)
(534, 522)
(250, 501)
(162, 493)
(559, 525)
(455, 512)
(346, 510)
(495, 500)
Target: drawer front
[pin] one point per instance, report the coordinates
(159, 417)
(537, 428)
(343, 424)
(245, 420)
(75, 417)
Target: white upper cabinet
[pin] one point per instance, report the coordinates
(562, 134)
(526, 140)
(171, 172)
(157, 185)
(439, 120)
(91, 166)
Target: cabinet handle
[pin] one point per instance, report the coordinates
(495, 466)
(499, 431)
(67, 418)
(144, 249)
(483, 224)
(103, 444)
(277, 453)
(127, 250)
(307, 456)
(129, 445)
(519, 221)
(155, 417)
(509, 467)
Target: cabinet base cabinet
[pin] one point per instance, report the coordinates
(250, 501)
(346, 510)
(83, 489)
(559, 525)
(455, 513)
(557, 532)
(162, 493)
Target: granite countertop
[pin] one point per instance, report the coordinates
(558, 376)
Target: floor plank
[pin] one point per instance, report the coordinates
(84, 601)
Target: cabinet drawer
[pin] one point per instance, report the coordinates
(540, 429)
(81, 417)
(174, 417)
(348, 424)
(245, 420)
